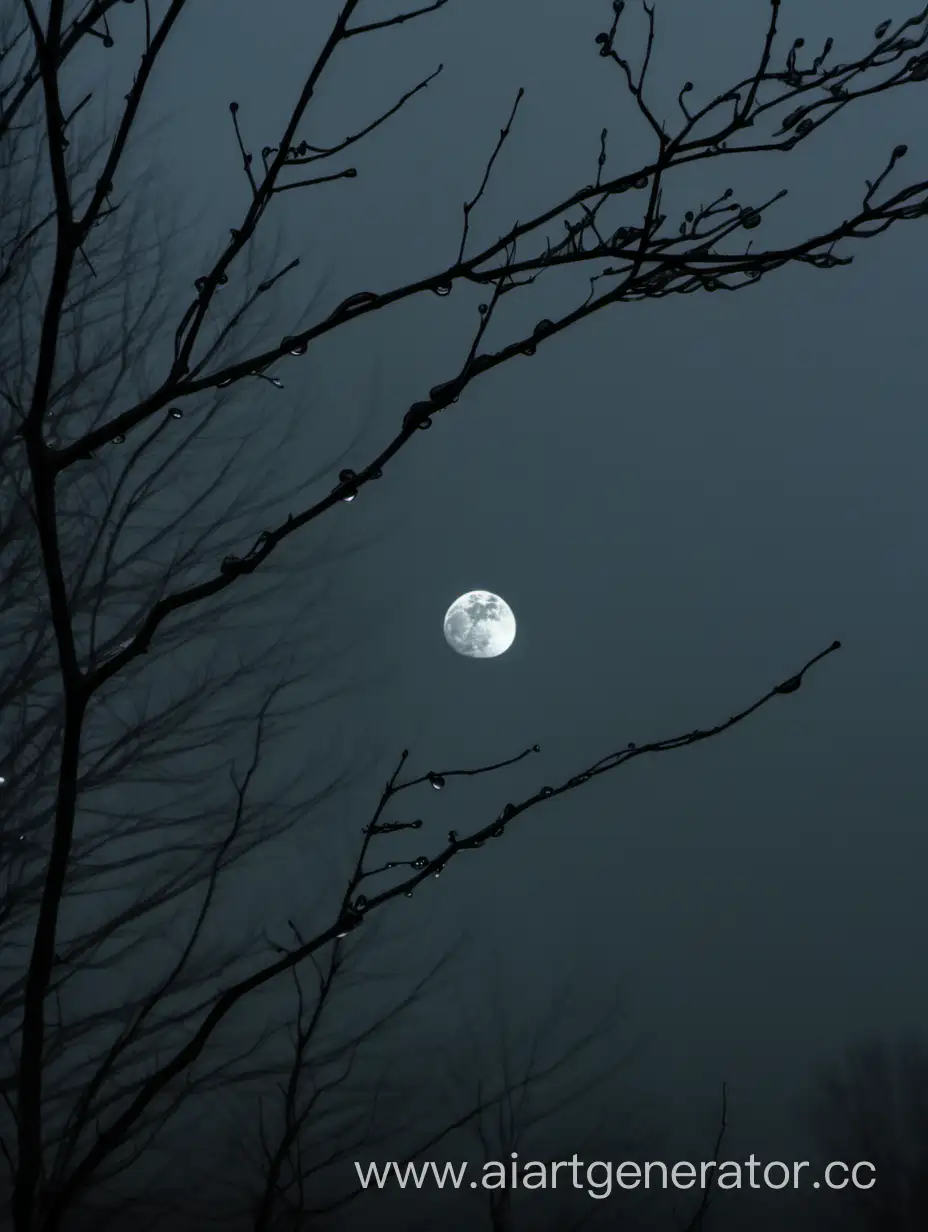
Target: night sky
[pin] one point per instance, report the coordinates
(682, 501)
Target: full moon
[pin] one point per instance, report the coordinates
(480, 625)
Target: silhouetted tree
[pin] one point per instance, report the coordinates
(127, 556)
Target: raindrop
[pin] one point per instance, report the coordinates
(349, 498)
(419, 862)
(200, 284)
(360, 903)
(439, 393)
(689, 215)
(547, 791)
(529, 349)
(278, 384)
(299, 348)
(497, 832)
(631, 744)
(412, 417)
(119, 439)
(442, 288)
(346, 474)
(426, 423)
(408, 894)
(376, 473)
(641, 182)
(483, 309)
(349, 921)
(536, 748)
(2, 780)
(750, 218)
(223, 384)
(438, 872)
(176, 412)
(107, 40)
(437, 780)
(543, 328)
(354, 302)
(222, 280)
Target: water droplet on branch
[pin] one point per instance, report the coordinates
(437, 780)
(355, 302)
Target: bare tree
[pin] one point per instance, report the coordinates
(173, 788)
(95, 636)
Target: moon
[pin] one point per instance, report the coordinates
(480, 625)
